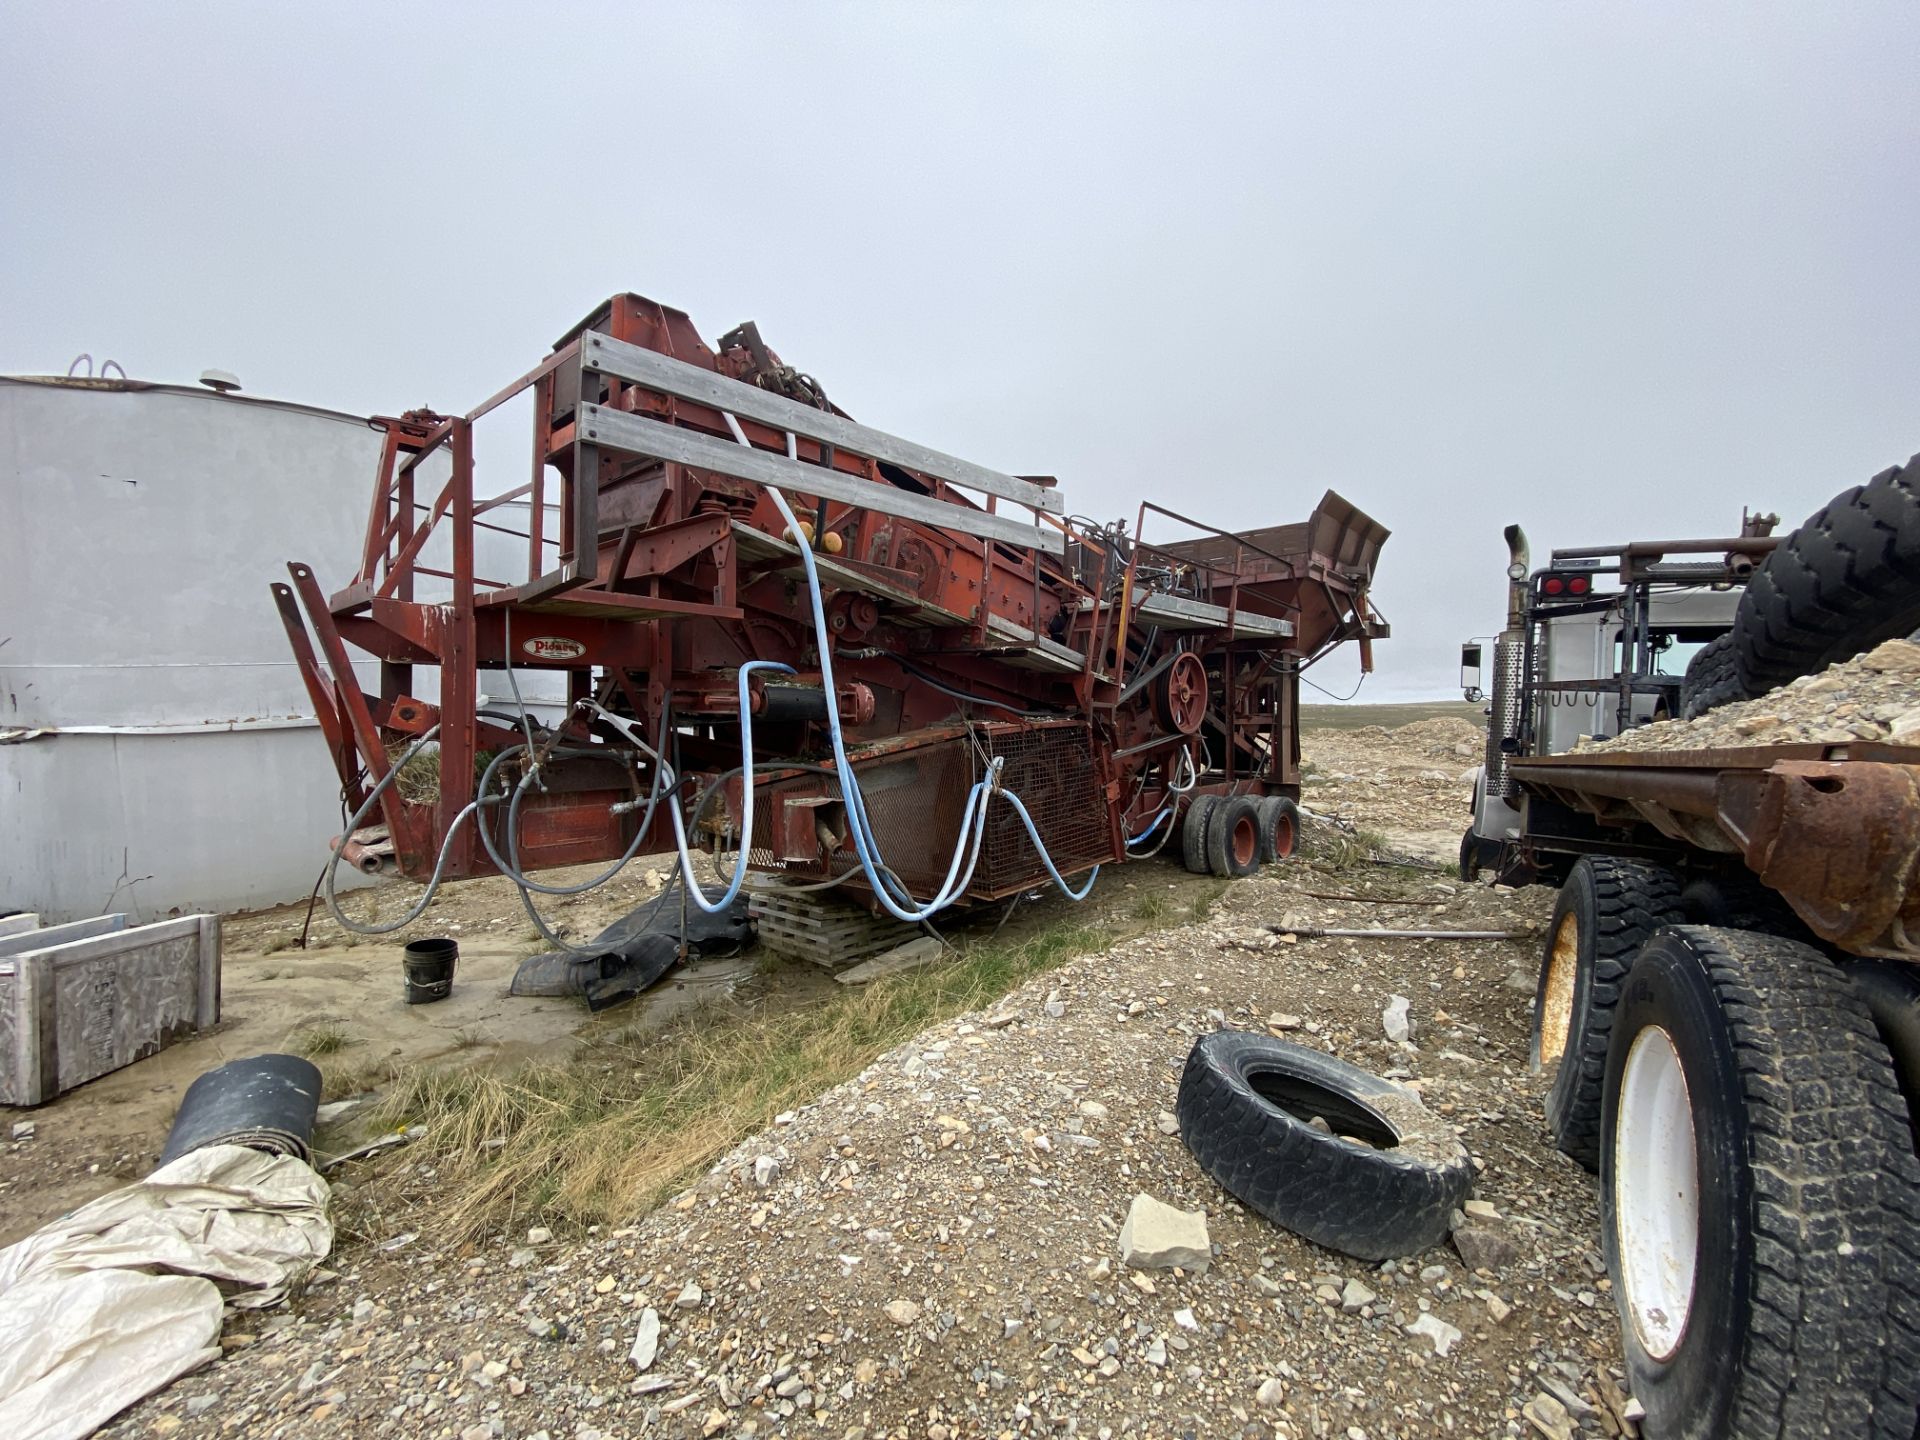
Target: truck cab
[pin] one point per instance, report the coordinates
(1597, 641)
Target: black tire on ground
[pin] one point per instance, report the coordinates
(1193, 833)
(1244, 1107)
(1279, 827)
(1747, 1090)
(1843, 582)
(1233, 838)
(1606, 911)
(1712, 678)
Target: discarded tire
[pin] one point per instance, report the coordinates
(1193, 834)
(1712, 678)
(1233, 837)
(1245, 1109)
(1759, 1196)
(1606, 911)
(268, 1102)
(1279, 827)
(1843, 582)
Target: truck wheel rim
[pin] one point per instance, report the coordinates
(1656, 1192)
(1556, 999)
(1282, 836)
(1245, 841)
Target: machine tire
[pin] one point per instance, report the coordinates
(1607, 910)
(1279, 827)
(1233, 838)
(1712, 678)
(1843, 582)
(1244, 1107)
(1193, 834)
(1759, 1198)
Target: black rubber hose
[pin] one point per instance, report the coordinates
(268, 1102)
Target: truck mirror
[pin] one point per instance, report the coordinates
(1470, 671)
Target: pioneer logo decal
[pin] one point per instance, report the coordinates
(553, 647)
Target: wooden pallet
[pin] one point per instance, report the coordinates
(820, 926)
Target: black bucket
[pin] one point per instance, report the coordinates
(430, 965)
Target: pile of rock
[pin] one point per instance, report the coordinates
(1875, 696)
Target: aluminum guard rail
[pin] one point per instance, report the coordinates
(1835, 829)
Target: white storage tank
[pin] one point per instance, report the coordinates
(158, 751)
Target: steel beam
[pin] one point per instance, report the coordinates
(691, 382)
(617, 430)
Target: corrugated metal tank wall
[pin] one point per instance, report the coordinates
(158, 752)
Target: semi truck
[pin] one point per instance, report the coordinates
(1727, 1015)
(1598, 640)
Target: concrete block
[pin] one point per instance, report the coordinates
(71, 1013)
(61, 934)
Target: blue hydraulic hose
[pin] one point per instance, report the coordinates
(858, 826)
(1152, 825)
(694, 892)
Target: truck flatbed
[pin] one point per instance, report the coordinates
(1833, 828)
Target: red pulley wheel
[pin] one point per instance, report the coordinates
(1182, 694)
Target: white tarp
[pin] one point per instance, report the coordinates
(116, 1300)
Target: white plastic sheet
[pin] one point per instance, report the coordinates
(124, 1295)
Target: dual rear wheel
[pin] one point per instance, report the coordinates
(1759, 1189)
(1233, 835)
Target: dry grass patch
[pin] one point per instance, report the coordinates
(1336, 848)
(630, 1121)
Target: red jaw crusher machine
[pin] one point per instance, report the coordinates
(869, 659)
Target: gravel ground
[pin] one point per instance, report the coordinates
(1875, 696)
(931, 1250)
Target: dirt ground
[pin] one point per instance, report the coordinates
(933, 1252)
(342, 1001)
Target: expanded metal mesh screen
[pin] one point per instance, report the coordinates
(1053, 773)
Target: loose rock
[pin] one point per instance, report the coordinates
(1156, 1236)
(1437, 1330)
(646, 1339)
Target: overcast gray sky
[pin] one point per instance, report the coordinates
(1609, 270)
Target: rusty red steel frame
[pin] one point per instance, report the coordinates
(1835, 828)
(971, 622)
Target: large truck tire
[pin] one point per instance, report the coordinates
(1193, 834)
(1279, 827)
(1759, 1197)
(1736, 900)
(1890, 989)
(1839, 585)
(1607, 910)
(1233, 837)
(1245, 1110)
(1712, 678)
(1477, 854)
